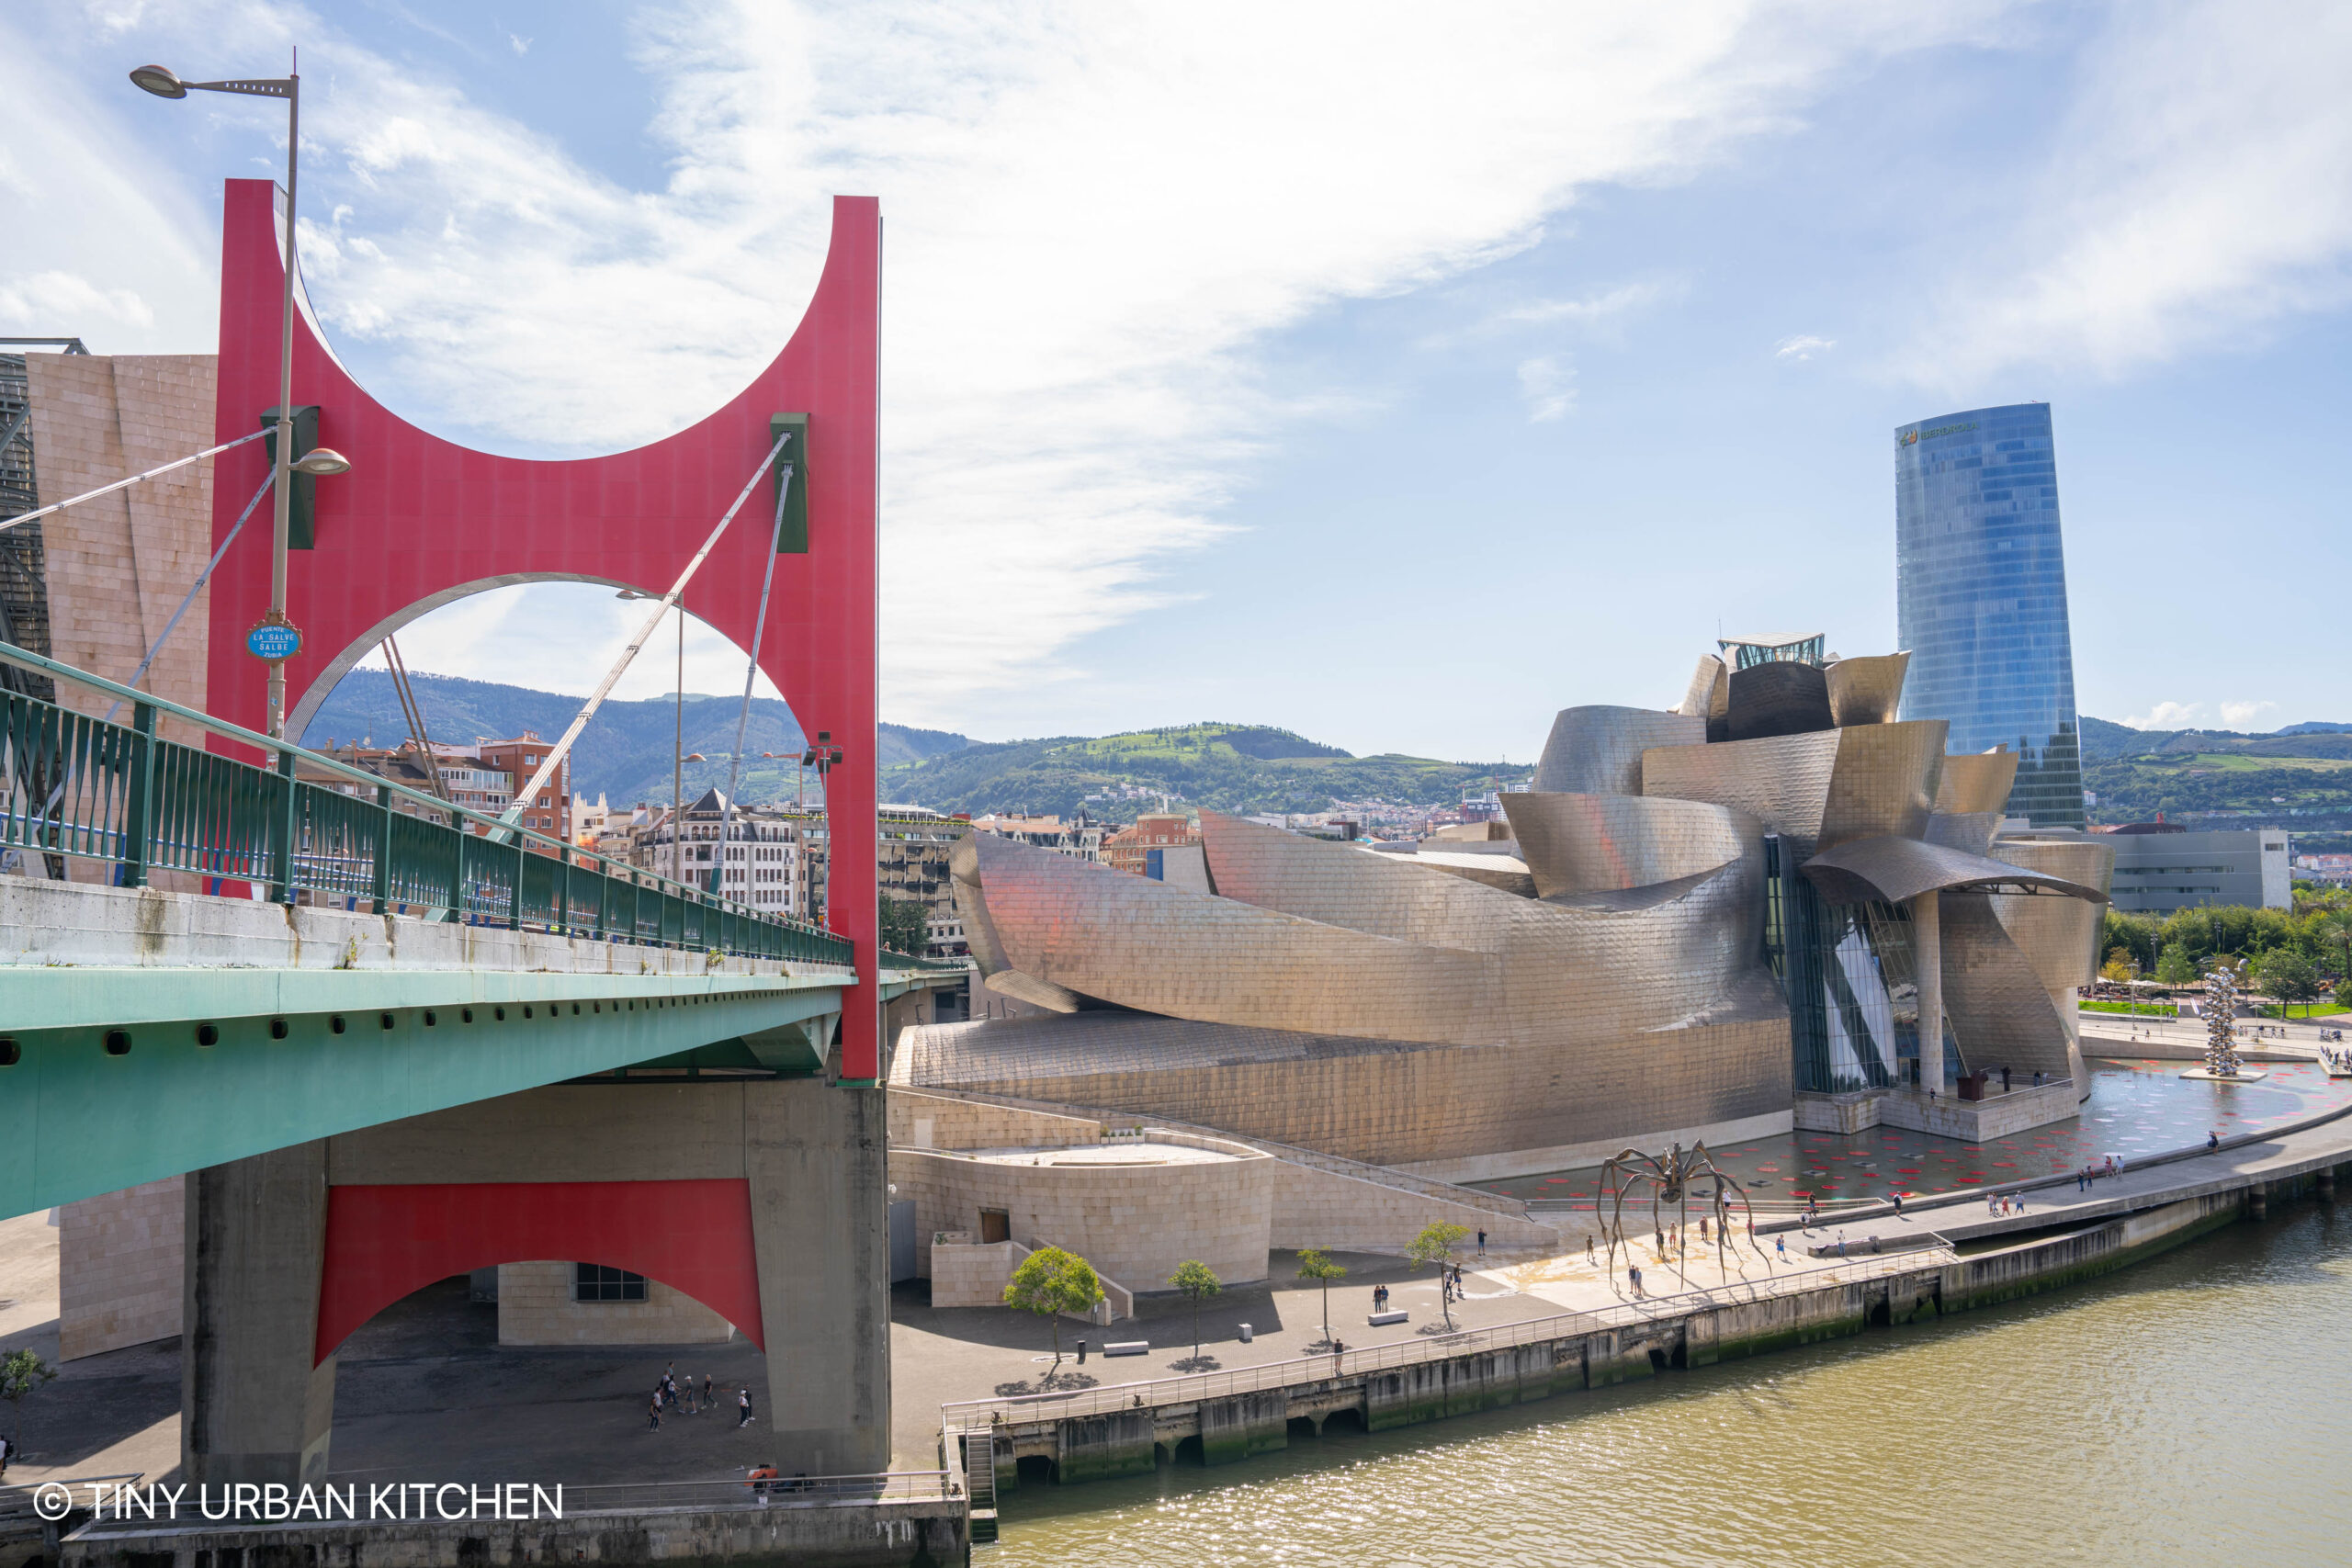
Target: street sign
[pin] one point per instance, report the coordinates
(274, 640)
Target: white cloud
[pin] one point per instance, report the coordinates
(1592, 310)
(1549, 386)
(2169, 715)
(2195, 196)
(2236, 716)
(518, 44)
(1097, 214)
(1803, 347)
(49, 298)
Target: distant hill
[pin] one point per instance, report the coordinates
(2299, 777)
(625, 753)
(1227, 767)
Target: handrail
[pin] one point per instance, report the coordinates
(968, 1413)
(275, 856)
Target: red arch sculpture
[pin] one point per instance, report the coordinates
(385, 1241)
(420, 521)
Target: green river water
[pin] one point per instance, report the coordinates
(2195, 1409)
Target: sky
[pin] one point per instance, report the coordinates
(1313, 366)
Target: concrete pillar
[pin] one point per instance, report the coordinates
(1928, 964)
(816, 1158)
(251, 1406)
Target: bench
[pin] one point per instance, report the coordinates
(1128, 1347)
(1383, 1319)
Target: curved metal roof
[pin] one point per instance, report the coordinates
(1893, 868)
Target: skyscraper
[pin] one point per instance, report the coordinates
(1980, 594)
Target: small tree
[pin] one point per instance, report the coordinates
(2290, 977)
(905, 925)
(2174, 968)
(1314, 1264)
(2117, 970)
(1049, 1282)
(1435, 1244)
(21, 1372)
(1196, 1280)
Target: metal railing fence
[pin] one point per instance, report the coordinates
(72, 784)
(969, 1415)
(787, 1491)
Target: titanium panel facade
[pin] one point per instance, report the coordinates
(1593, 843)
(1980, 597)
(1867, 690)
(2059, 936)
(1598, 750)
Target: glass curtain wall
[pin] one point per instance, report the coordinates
(1847, 973)
(1980, 584)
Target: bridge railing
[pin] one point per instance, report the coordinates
(72, 784)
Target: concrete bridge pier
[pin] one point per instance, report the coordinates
(254, 1408)
(764, 1198)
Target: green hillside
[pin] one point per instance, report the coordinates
(625, 753)
(1227, 767)
(2299, 779)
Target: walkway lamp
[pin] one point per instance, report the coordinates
(164, 82)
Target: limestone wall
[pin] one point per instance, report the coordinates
(1133, 1222)
(535, 1307)
(120, 1260)
(939, 1121)
(1395, 1106)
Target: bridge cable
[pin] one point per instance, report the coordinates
(194, 589)
(125, 484)
(743, 714)
(513, 815)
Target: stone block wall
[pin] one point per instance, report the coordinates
(535, 1307)
(1414, 1106)
(120, 1262)
(940, 1122)
(1133, 1222)
(118, 566)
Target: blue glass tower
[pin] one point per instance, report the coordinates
(1980, 596)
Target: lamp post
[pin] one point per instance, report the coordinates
(165, 83)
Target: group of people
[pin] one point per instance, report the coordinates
(2004, 1204)
(670, 1394)
(2110, 1166)
(1449, 1277)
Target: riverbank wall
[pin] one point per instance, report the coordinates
(1095, 1443)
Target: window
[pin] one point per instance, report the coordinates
(594, 1282)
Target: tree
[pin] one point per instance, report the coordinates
(1435, 1244)
(2288, 976)
(1195, 1280)
(2175, 969)
(905, 925)
(2117, 970)
(1314, 1263)
(21, 1372)
(1049, 1282)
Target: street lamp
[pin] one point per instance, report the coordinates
(165, 83)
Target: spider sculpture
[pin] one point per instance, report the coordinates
(1670, 1179)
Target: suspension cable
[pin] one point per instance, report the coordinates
(628, 655)
(125, 484)
(751, 670)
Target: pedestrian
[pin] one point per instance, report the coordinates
(1482, 1241)
(1634, 1274)
(2213, 1140)
(705, 1391)
(1841, 1246)
(1781, 1246)
(744, 1408)
(653, 1412)
(2005, 1080)
(1589, 1257)
(1898, 1205)
(5, 1452)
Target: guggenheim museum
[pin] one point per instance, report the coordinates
(1773, 905)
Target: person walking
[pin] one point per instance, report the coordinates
(654, 1412)
(1781, 1246)
(1482, 1241)
(1898, 1205)
(2213, 1140)
(744, 1408)
(705, 1391)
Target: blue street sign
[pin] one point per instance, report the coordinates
(274, 642)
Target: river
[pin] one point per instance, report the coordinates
(2192, 1409)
